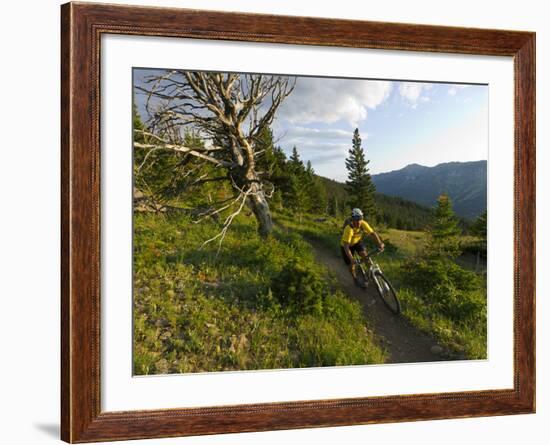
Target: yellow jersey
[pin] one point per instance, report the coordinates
(353, 235)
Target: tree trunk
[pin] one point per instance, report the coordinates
(259, 206)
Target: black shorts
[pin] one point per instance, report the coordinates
(359, 247)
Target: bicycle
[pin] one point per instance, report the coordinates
(374, 274)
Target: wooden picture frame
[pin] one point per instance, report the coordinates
(82, 26)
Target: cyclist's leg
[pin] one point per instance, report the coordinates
(362, 251)
(350, 264)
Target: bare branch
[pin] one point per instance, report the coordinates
(206, 149)
(216, 211)
(191, 151)
(227, 224)
(146, 157)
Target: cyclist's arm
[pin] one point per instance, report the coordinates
(378, 240)
(348, 252)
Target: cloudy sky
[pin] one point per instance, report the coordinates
(400, 122)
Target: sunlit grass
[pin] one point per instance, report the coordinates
(199, 310)
(463, 337)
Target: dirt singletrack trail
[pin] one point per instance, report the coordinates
(403, 342)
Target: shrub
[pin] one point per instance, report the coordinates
(424, 274)
(446, 288)
(300, 287)
(389, 247)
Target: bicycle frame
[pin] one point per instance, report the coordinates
(374, 275)
(373, 266)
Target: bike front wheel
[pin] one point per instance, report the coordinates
(387, 293)
(362, 277)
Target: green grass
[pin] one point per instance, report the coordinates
(408, 243)
(453, 312)
(453, 309)
(196, 310)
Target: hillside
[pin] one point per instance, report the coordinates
(394, 211)
(464, 182)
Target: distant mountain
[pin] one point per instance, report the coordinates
(464, 182)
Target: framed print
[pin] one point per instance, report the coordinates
(275, 222)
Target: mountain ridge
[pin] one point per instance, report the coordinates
(464, 182)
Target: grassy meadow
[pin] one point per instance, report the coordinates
(257, 304)
(266, 304)
(448, 302)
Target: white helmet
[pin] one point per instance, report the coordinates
(356, 214)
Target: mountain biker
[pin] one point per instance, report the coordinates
(352, 240)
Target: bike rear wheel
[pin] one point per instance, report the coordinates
(387, 293)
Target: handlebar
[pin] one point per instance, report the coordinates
(374, 252)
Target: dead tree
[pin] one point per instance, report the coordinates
(229, 111)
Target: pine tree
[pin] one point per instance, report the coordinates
(137, 123)
(266, 159)
(479, 229)
(272, 167)
(333, 206)
(295, 163)
(444, 232)
(297, 197)
(359, 184)
(315, 191)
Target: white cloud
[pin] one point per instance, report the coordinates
(331, 100)
(412, 92)
(455, 88)
(326, 148)
(319, 133)
(323, 141)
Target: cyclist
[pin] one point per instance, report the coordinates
(352, 240)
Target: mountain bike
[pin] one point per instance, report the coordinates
(374, 275)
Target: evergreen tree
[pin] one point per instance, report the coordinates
(137, 123)
(310, 173)
(479, 229)
(333, 206)
(271, 164)
(359, 184)
(295, 163)
(266, 159)
(315, 191)
(444, 232)
(297, 197)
